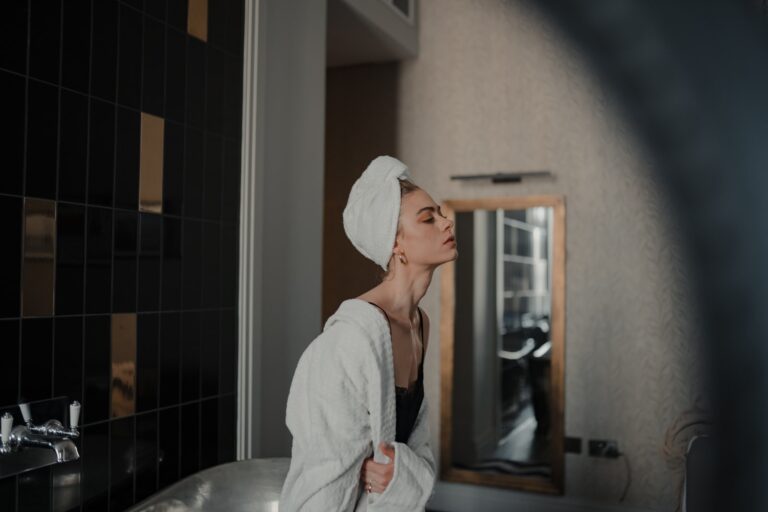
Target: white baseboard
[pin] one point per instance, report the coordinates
(451, 497)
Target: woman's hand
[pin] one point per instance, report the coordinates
(379, 475)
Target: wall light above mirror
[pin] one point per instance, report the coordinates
(502, 338)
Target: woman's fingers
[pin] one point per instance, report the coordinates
(378, 474)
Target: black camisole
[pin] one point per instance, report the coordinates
(408, 400)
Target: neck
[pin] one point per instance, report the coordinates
(403, 291)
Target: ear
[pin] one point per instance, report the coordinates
(396, 247)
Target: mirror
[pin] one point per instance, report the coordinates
(502, 344)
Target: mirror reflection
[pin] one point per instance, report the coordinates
(502, 345)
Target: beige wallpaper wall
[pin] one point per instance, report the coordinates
(497, 88)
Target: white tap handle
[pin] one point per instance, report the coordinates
(74, 414)
(25, 412)
(7, 425)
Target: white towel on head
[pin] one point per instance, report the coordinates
(373, 207)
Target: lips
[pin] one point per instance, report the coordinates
(450, 239)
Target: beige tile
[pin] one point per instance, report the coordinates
(151, 166)
(39, 257)
(197, 19)
(123, 381)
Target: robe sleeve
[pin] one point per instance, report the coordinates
(328, 419)
(413, 482)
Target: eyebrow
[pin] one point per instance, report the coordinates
(430, 208)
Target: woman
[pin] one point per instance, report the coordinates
(358, 388)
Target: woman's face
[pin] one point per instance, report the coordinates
(424, 231)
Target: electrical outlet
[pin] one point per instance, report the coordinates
(603, 448)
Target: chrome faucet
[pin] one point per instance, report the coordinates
(52, 434)
(54, 428)
(64, 448)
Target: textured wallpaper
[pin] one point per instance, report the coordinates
(496, 87)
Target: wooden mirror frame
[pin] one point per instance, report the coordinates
(554, 484)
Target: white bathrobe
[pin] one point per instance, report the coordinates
(341, 404)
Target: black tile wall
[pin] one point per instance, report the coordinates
(75, 77)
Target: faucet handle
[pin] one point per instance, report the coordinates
(25, 412)
(7, 425)
(74, 414)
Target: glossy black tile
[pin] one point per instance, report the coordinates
(173, 168)
(225, 25)
(150, 244)
(39, 265)
(189, 460)
(101, 153)
(125, 261)
(154, 67)
(230, 181)
(121, 463)
(228, 353)
(97, 369)
(76, 45)
(44, 39)
(36, 361)
(147, 364)
(95, 463)
(146, 455)
(42, 137)
(169, 439)
(34, 490)
(136, 4)
(123, 365)
(70, 258)
(227, 418)
(73, 147)
(190, 355)
(209, 433)
(104, 52)
(155, 8)
(127, 144)
(212, 177)
(196, 69)
(177, 14)
(8, 494)
(68, 357)
(209, 353)
(9, 363)
(12, 101)
(129, 70)
(211, 277)
(10, 258)
(229, 262)
(233, 87)
(215, 81)
(65, 483)
(175, 75)
(191, 260)
(194, 152)
(13, 35)
(171, 270)
(98, 266)
(170, 359)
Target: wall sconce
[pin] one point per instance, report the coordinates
(503, 177)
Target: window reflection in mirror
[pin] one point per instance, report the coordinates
(501, 387)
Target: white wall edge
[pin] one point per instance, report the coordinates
(249, 264)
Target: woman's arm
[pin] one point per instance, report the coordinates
(413, 482)
(329, 422)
